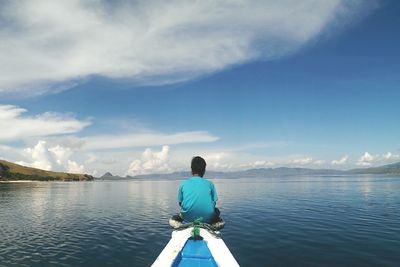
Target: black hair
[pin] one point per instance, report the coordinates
(198, 166)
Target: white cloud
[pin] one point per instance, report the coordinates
(51, 158)
(47, 44)
(61, 154)
(366, 159)
(215, 160)
(341, 161)
(74, 167)
(51, 145)
(307, 161)
(146, 139)
(151, 162)
(14, 125)
(303, 161)
(391, 157)
(40, 156)
(319, 162)
(261, 164)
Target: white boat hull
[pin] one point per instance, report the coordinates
(220, 252)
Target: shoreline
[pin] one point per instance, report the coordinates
(36, 181)
(18, 181)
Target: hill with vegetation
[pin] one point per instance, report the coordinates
(11, 171)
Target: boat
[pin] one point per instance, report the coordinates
(195, 244)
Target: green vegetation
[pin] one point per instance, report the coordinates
(12, 171)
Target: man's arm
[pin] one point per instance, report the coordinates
(180, 196)
(214, 194)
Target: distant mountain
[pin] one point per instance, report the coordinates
(174, 175)
(109, 176)
(393, 168)
(12, 171)
(276, 172)
(285, 171)
(251, 173)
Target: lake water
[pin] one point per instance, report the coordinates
(296, 221)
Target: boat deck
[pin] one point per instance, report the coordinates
(195, 253)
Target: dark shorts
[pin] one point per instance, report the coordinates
(215, 219)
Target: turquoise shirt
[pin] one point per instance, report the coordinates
(197, 196)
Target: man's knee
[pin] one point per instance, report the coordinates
(217, 212)
(177, 217)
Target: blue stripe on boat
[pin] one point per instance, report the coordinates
(195, 253)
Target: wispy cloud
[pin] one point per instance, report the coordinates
(146, 139)
(14, 125)
(49, 45)
(54, 140)
(257, 145)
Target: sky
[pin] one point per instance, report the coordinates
(140, 87)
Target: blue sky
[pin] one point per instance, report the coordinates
(281, 87)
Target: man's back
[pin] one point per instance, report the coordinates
(197, 197)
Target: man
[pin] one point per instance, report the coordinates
(197, 196)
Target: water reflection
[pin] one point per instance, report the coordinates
(346, 221)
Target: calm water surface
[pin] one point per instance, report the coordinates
(297, 221)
